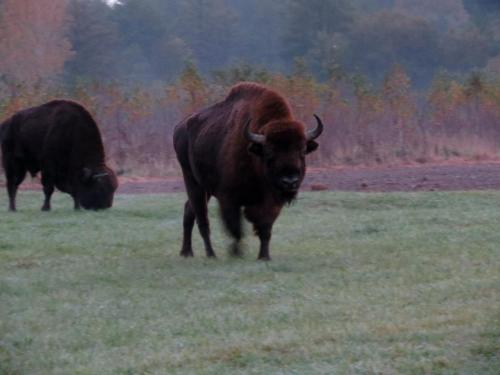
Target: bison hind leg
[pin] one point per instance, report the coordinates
(188, 223)
(197, 207)
(15, 176)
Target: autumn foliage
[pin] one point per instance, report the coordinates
(394, 124)
(33, 42)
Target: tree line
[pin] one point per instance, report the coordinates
(147, 41)
(364, 125)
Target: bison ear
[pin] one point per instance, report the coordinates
(256, 148)
(86, 174)
(311, 146)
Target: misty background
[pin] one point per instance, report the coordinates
(147, 40)
(156, 38)
(153, 40)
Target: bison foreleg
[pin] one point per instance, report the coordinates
(264, 233)
(231, 215)
(76, 203)
(263, 219)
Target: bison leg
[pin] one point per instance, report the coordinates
(198, 199)
(263, 220)
(48, 190)
(264, 233)
(15, 176)
(12, 191)
(188, 223)
(76, 203)
(231, 215)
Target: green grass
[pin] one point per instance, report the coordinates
(359, 284)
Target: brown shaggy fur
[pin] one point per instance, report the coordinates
(62, 140)
(218, 160)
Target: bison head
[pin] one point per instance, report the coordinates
(97, 188)
(281, 148)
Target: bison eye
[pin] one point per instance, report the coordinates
(268, 153)
(256, 149)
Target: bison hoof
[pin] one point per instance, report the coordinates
(235, 250)
(186, 254)
(264, 258)
(46, 208)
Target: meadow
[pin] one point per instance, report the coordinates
(399, 283)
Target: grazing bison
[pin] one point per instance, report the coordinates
(62, 140)
(248, 152)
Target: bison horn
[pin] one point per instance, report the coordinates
(100, 175)
(316, 132)
(254, 137)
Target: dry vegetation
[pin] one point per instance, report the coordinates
(395, 124)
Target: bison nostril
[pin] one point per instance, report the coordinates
(290, 181)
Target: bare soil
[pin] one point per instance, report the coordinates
(422, 177)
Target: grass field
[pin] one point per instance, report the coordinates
(359, 284)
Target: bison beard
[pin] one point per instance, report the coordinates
(249, 153)
(62, 140)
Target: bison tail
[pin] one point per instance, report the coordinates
(2, 131)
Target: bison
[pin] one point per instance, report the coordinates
(62, 140)
(247, 151)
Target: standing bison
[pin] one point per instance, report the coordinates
(62, 140)
(248, 152)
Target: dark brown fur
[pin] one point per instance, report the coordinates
(218, 160)
(62, 140)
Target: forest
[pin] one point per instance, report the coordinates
(394, 80)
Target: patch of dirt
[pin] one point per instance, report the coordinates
(148, 185)
(422, 177)
(425, 177)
